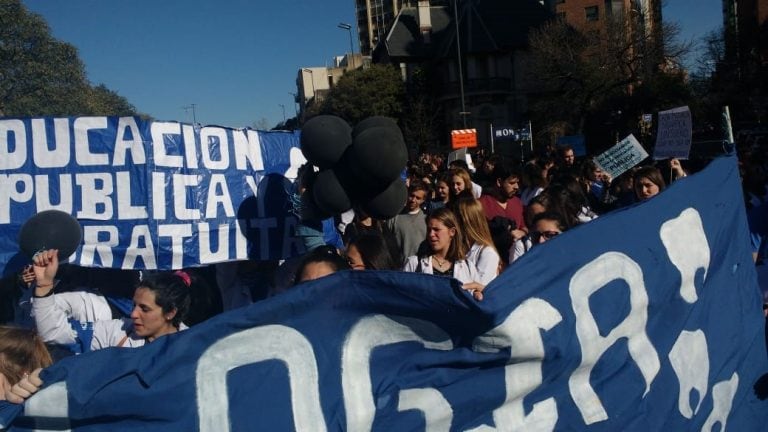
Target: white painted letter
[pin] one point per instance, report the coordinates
(521, 332)
(687, 247)
(271, 342)
(366, 335)
(588, 280)
(690, 361)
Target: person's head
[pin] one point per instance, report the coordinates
(648, 182)
(534, 175)
(472, 220)
(566, 155)
(319, 262)
(547, 226)
(591, 171)
(538, 204)
(369, 252)
(507, 181)
(417, 194)
(460, 181)
(444, 234)
(21, 351)
(160, 303)
(443, 187)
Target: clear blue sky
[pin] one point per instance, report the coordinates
(237, 60)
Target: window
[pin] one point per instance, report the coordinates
(592, 13)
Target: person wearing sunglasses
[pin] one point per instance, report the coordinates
(546, 226)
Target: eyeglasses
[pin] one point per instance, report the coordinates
(355, 265)
(547, 235)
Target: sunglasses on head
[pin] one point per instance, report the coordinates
(547, 235)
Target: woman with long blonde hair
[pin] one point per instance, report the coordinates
(446, 252)
(477, 238)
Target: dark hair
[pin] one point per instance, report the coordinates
(553, 216)
(322, 254)
(417, 185)
(459, 163)
(651, 173)
(566, 201)
(375, 252)
(171, 293)
(503, 171)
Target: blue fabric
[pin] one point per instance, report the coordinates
(601, 328)
(129, 190)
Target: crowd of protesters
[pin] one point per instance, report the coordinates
(460, 222)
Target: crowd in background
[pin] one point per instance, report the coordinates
(458, 221)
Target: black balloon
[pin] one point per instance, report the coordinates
(379, 154)
(375, 121)
(389, 202)
(329, 194)
(324, 139)
(50, 229)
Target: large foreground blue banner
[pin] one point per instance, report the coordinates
(647, 319)
(150, 195)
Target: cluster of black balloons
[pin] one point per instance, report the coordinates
(359, 166)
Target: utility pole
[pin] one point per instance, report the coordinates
(463, 113)
(283, 107)
(194, 113)
(348, 28)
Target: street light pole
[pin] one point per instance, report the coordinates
(348, 28)
(283, 107)
(463, 112)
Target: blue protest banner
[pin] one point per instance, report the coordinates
(602, 328)
(149, 195)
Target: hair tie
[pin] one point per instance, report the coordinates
(184, 276)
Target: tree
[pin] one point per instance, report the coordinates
(41, 76)
(362, 93)
(592, 77)
(422, 118)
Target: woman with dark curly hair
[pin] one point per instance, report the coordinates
(161, 302)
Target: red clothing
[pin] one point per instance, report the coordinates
(493, 208)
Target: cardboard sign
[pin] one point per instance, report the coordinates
(463, 138)
(673, 139)
(621, 157)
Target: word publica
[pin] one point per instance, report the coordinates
(97, 143)
(521, 332)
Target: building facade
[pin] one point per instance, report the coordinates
(478, 67)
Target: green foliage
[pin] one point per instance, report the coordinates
(362, 93)
(41, 76)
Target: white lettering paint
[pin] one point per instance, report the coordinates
(521, 332)
(687, 248)
(588, 280)
(92, 245)
(96, 188)
(123, 144)
(207, 255)
(367, 334)
(11, 160)
(722, 401)
(140, 234)
(182, 182)
(214, 138)
(437, 412)
(177, 233)
(254, 345)
(59, 156)
(9, 191)
(690, 361)
(64, 193)
(159, 131)
(83, 154)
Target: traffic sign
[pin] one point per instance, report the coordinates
(461, 138)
